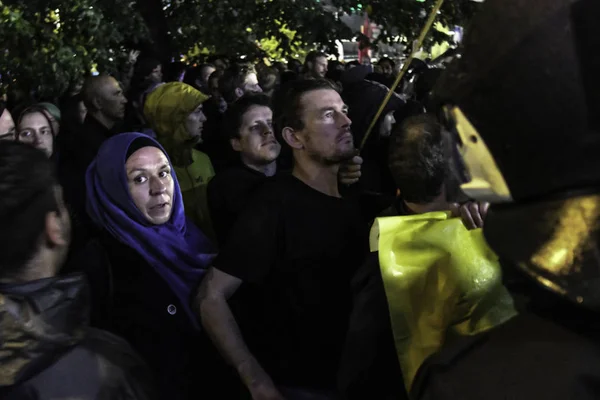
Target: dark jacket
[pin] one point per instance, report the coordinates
(133, 301)
(551, 351)
(47, 350)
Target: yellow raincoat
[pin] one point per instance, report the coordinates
(441, 280)
(166, 110)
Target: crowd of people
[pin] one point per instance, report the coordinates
(214, 232)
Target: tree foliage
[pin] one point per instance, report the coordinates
(50, 43)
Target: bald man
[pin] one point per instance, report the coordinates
(104, 100)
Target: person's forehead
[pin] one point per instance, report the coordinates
(258, 112)
(148, 155)
(320, 98)
(322, 60)
(36, 118)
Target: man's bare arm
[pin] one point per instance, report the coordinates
(216, 288)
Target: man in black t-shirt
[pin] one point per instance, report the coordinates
(291, 254)
(249, 125)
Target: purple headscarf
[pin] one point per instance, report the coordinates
(177, 250)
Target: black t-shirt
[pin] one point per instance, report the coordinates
(228, 194)
(296, 249)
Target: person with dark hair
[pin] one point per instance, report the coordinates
(528, 142)
(248, 124)
(36, 129)
(419, 161)
(387, 66)
(48, 350)
(198, 77)
(237, 80)
(220, 62)
(173, 72)
(268, 80)
(315, 65)
(148, 73)
(7, 125)
(291, 255)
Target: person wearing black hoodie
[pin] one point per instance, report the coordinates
(48, 350)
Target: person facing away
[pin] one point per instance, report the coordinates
(289, 259)
(175, 112)
(315, 65)
(48, 349)
(156, 256)
(7, 125)
(419, 161)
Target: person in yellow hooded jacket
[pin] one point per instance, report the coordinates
(174, 112)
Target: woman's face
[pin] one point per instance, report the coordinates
(194, 124)
(150, 184)
(35, 130)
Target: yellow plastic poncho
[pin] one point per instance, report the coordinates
(166, 110)
(440, 280)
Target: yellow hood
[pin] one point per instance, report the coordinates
(166, 110)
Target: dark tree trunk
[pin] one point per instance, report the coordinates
(152, 12)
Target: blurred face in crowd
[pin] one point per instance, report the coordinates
(157, 75)
(213, 87)
(326, 136)
(251, 84)
(387, 124)
(205, 74)
(387, 69)
(7, 126)
(319, 67)
(194, 124)
(220, 64)
(256, 142)
(150, 184)
(35, 129)
(110, 99)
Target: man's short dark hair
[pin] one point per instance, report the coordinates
(27, 182)
(313, 55)
(417, 159)
(232, 120)
(386, 60)
(287, 107)
(232, 79)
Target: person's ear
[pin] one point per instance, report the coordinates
(236, 144)
(292, 138)
(55, 230)
(239, 92)
(96, 103)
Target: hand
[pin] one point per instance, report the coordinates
(258, 382)
(472, 213)
(349, 172)
(133, 56)
(265, 391)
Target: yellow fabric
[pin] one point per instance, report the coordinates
(441, 280)
(193, 181)
(166, 110)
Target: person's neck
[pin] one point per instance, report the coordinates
(40, 267)
(181, 156)
(320, 177)
(438, 204)
(265, 169)
(103, 120)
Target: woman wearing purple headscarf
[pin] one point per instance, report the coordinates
(157, 259)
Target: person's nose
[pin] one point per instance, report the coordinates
(267, 130)
(203, 117)
(157, 186)
(344, 120)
